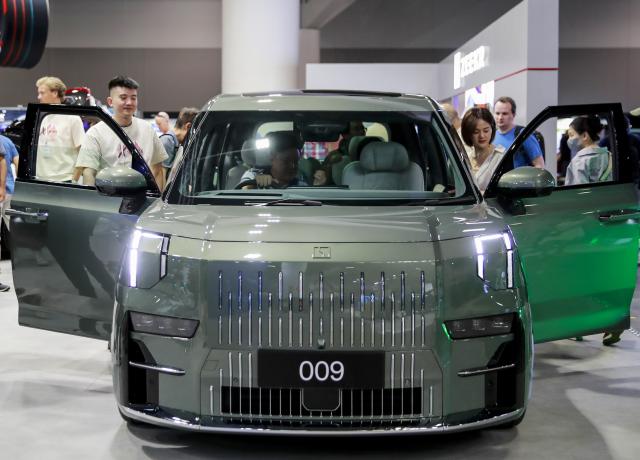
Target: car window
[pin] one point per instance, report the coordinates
(59, 140)
(75, 148)
(578, 148)
(326, 156)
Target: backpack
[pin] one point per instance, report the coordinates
(539, 137)
(170, 144)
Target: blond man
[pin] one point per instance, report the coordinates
(60, 136)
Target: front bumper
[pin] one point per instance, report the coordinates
(165, 419)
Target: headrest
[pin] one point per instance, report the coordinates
(282, 140)
(357, 143)
(257, 153)
(384, 156)
(256, 156)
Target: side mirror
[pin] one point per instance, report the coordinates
(120, 181)
(526, 182)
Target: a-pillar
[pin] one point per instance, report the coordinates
(260, 45)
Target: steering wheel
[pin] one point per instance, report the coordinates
(246, 182)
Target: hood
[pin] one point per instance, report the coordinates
(321, 224)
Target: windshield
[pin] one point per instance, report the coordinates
(340, 157)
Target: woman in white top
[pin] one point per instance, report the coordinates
(478, 131)
(589, 162)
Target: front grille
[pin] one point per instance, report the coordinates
(411, 391)
(354, 403)
(321, 305)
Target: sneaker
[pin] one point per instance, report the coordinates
(4, 287)
(610, 338)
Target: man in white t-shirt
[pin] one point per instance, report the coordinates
(60, 136)
(102, 148)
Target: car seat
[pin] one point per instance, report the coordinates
(383, 166)
(356, 144)
(307, 168)
(252, 158)
(235, 172)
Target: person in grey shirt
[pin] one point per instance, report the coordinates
(589, 162)
(168, 139)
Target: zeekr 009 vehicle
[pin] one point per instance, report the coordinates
(324, 264)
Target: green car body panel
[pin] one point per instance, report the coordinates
(321, 279)
(588, 284)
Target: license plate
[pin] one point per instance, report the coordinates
(320, 369)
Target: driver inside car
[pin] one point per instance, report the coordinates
(283, 171)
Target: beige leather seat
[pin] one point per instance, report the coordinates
(252, 158)
(383, 166)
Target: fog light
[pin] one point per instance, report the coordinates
(480, 327)
(163, 325)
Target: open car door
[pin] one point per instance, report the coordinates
(579, 245)
(67, 239)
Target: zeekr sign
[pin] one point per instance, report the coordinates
(466, 64)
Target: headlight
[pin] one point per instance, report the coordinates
(494, 259)
(480, 327)
(163, 325)
(146, 262)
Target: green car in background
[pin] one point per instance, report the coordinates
(362, 286)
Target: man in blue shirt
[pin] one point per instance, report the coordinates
(530, 153)
(8, 152)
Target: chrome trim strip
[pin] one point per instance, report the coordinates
(211, 399)
(430, 400)
(159, 368)
(41, 216)
(393, 319)
(396, 430)
(250, 305)
(422, 290)
(471, 372)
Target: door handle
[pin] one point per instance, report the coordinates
(619, 215)
(40, 216)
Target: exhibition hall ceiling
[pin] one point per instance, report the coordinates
(411, 23)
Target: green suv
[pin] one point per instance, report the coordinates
(322, 263)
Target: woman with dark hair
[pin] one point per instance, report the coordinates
(478, 130)
(589, 162)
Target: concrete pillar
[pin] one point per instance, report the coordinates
(260, 45)
(309, 53)
(543, 42)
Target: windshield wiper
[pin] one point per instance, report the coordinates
(434, 201)
(289, 202)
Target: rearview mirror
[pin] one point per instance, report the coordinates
(120, 181)
(525, 182)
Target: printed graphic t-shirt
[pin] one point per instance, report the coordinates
(103, 148)
(59, 140)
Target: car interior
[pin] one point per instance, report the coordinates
(392, 155)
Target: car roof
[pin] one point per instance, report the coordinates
(333, 100)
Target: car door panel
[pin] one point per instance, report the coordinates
(579, 247)
(67, 243)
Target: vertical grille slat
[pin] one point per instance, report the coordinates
(397, 312)
(356, 404)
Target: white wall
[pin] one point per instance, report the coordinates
(135, 24)
(525, 37)
(403, 78)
